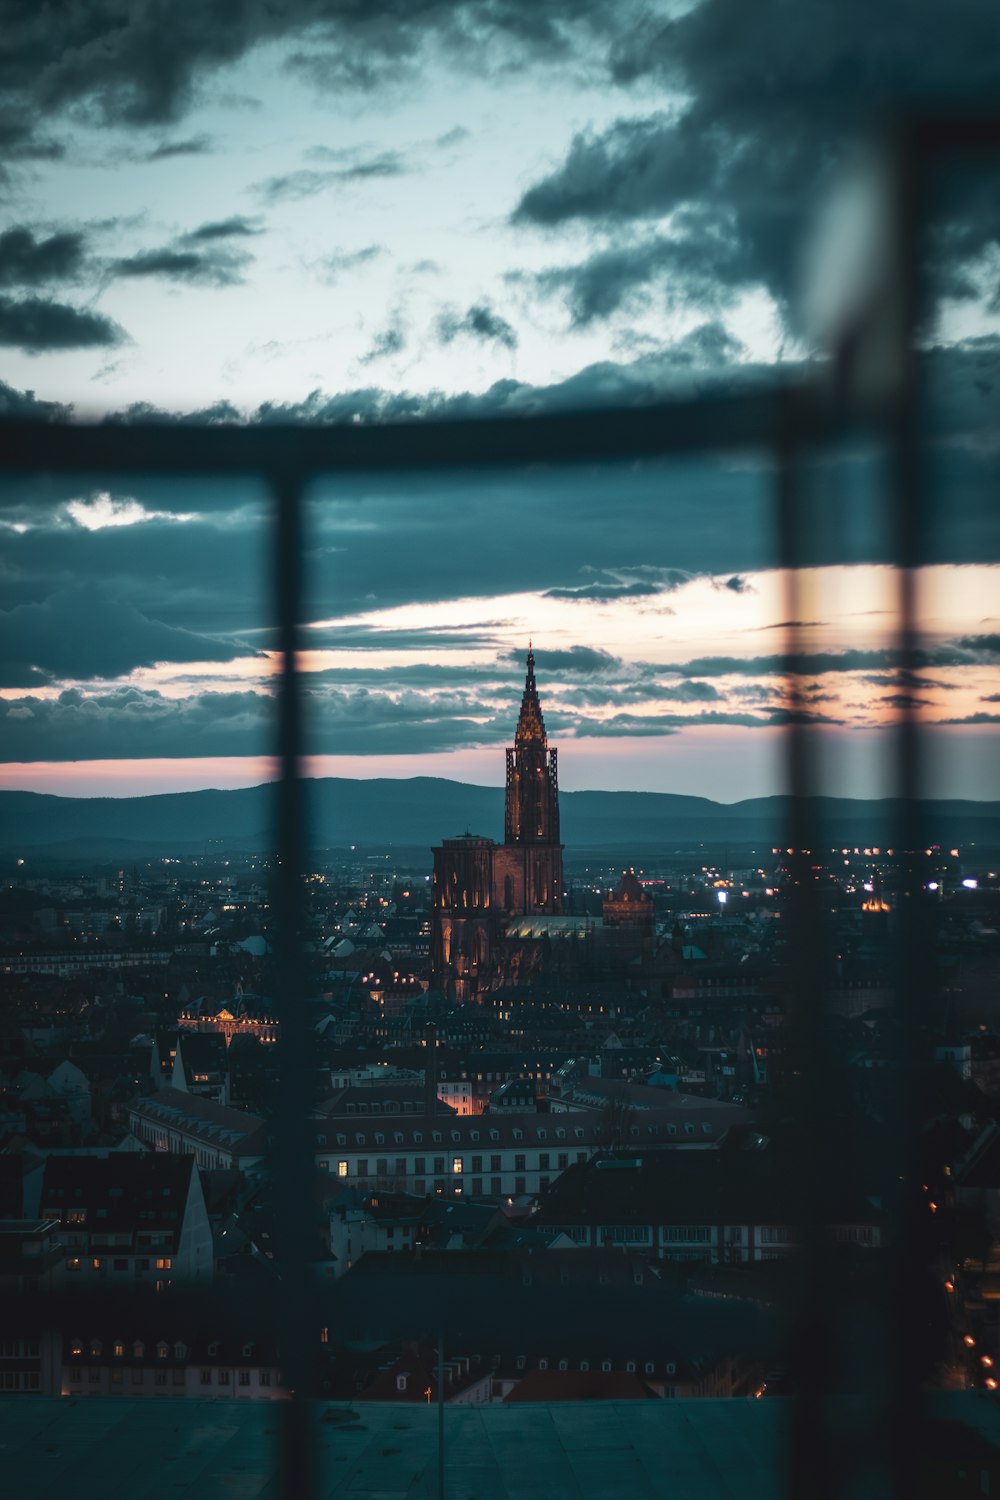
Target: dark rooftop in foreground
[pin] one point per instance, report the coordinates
(646, 1450)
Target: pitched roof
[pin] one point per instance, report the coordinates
(234, 1130)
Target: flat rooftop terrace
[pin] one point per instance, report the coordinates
(162, 1449)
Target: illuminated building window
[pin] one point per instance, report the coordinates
(76, 1349)
(456, 1165)
(95, 1348)
(76, 1216)
(96, 1262)
(164, 1263)
(341, 1169)
(73, 1264)
(119, 1351)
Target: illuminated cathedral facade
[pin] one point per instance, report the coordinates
(481, 886)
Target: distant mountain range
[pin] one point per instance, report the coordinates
(418, 813)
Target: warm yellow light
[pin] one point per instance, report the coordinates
(991, 1384)
(987, 1362)
(969, 1341)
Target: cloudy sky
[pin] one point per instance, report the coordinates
(314, 210)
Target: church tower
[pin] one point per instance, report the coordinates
(532, 809)
(479, 886)
(529, 875)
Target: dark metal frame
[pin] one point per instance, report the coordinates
(784, 421)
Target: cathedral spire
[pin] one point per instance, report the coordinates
(530, 724)
(532, 804)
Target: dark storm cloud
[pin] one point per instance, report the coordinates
(586, 660)
(623, 276)
(800, 664)
(985, 646)
(217, 266)
(131, 722)
(374, 638)
(380, 541)
(392, 340)
(36, 324)
(27, 259)
(140, 67)
(235, 227)
(641, 581)
(902, 678)
(19, 138)
(14, 403)
(125, 721)
(966, 651)
(80, 633)
(739, 585)
(905, 700)
(589, 592)
(480, 322)
(198, 145)
(604, 694)
(772, 94)
(494, 680)
(653, 724)
(306, 182)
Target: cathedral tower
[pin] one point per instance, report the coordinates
(529, 876)
(532, 810)
(478, 886)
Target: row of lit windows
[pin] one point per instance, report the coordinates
(178, 1377)
(458, 1167)
(606, 1365)
(96, 1349)
(118, 1263)
(517, 1134)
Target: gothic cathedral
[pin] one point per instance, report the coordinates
(480, 886)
